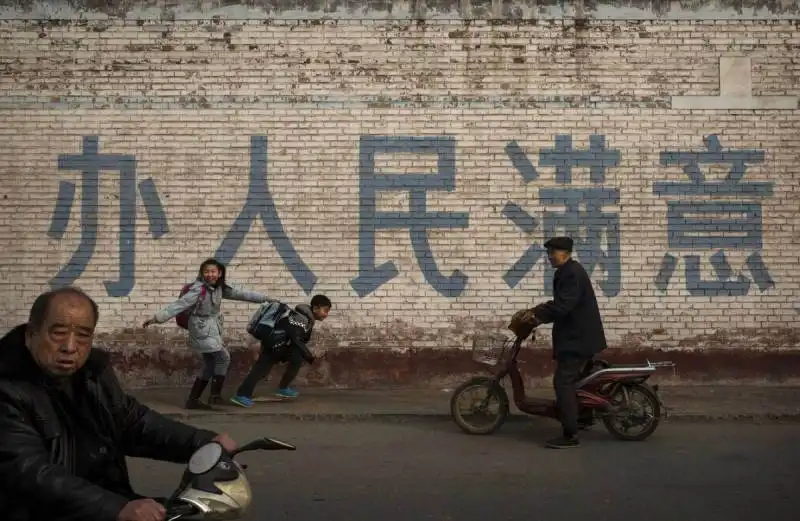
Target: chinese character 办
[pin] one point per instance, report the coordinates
(90, 164)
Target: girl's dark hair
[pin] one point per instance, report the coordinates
(214, 262)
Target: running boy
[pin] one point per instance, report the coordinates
(288, 342)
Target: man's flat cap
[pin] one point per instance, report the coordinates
(559, 243)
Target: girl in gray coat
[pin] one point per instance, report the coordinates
(204, 299)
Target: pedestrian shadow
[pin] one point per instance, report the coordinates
(527, 429)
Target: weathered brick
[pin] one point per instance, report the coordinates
(185, 98)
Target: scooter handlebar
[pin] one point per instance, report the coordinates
(178, 511)
(264, 444)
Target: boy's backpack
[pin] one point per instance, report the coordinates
(263, 321)
(182, 318)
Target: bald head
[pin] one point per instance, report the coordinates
(60, 330)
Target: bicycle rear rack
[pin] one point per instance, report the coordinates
(665, 363)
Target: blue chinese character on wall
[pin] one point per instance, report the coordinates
(584, 218)
(90, 163)
(697, 225)
(260, 205)
(417, 220)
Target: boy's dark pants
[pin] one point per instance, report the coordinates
(268, 358)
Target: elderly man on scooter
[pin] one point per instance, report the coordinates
(578, 333)
(66, 424)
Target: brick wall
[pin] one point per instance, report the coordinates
(190, 120)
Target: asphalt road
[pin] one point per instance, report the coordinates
(428, 470)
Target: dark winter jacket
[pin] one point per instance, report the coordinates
(293, 331)
(577, 326)
(63, 443)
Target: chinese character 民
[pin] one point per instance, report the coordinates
(583, 218)
(259, 204)
(418, 220)
(695, 225)
(90, 164)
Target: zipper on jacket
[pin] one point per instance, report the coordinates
(73, 459)
(53, 449)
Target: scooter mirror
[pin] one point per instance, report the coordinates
(205, 458)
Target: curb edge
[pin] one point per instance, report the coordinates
(674, 417)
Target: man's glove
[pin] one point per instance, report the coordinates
(523, 322)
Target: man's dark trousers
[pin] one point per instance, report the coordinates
(568, 371)
(268, 357)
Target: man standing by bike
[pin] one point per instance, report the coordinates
(578, 333)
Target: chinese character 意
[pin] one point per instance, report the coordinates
(418, 220)
(259, 204)
(90, 163)
(583, 218)
(698, 225)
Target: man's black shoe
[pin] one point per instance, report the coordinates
(563, 442)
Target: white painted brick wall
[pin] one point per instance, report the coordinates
(158, 91)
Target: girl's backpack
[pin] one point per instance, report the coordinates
(182, 318)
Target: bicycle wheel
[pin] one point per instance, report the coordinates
(490, 405)
(637, 415)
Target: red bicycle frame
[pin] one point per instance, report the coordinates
(594, 388)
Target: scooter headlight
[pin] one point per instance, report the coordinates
(230, 501)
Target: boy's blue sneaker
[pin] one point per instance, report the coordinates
(286, 393)
(242, 401)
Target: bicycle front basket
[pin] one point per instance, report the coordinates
(490, 348)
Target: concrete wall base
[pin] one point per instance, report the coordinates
(442, 368)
